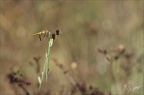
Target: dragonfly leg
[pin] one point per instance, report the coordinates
(40, 37)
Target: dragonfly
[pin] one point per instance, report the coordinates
(47, 33)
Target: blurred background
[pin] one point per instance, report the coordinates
(101, 47)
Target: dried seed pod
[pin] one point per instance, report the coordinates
(103, 51)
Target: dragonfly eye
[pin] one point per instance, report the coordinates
(57, 32)
(53, 36)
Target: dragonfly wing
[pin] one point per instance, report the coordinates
(58, 32)
(53, 36)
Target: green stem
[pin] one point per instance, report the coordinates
(46, 66)
(48, 57)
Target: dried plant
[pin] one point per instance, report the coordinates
(16, 79)
(82, 88)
